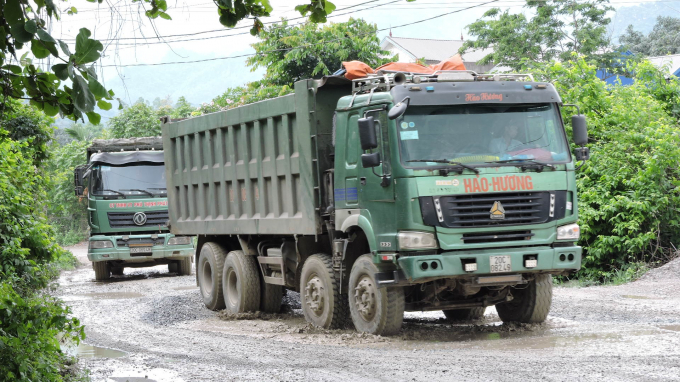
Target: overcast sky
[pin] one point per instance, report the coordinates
(131, 39)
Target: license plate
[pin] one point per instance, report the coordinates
(500, 264)
(140, 250)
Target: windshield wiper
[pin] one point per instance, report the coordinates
(106, 189)
(138, 190)
(446, 161)
(539, 165)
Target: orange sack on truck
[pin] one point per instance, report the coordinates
(358, 69)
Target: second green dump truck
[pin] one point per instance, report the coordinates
(396, 192)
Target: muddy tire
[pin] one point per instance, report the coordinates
(530, 304)
(184, 266)
(102, 270)
(464, 314)
(241, 283)
(173, 267)
(271, 297)
(209, 272)
(322, 303)
(117, 271)
(374, 310)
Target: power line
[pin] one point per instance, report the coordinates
(302, 46)
(222, 30)
(247, 33)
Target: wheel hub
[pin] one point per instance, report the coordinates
(364, 298)
(314, 295)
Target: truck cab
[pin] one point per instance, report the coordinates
(124, 184)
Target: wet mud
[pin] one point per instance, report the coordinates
(150, 325)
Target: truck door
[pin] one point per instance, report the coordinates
(371, 187)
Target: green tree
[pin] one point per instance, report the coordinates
(629, 191)
(182, 108)
(84, 132)
(292, 53)
(138, 120)
(25, 123)
(556, 30)
(662, 40)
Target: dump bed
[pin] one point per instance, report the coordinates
(254, 169)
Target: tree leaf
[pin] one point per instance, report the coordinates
(104, 105)
(13, 12)
(50, 109)
(20, 33)
(94, 117)
(87, 49)
(97, 89)
(64, 48)
(164, 15)
(31, 26)
(45, 36)
(83, 99)
(38, 50)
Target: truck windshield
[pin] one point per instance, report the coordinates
(478, 134)
(129, 180)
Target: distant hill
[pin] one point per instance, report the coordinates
(642, 17)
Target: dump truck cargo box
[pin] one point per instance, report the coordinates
(254, 169)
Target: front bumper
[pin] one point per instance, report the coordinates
(451, 264)
(120, 253)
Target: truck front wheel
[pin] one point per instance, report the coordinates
(209, 269)
(530, 304)
(102, 270)
(241, 283)
(184, 266)
(374, 310)
(322, 303)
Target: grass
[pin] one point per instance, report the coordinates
(626, 274)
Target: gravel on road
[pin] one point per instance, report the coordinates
(150, 325)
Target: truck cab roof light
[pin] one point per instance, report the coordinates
(528, 87)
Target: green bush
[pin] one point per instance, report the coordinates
(628, 191)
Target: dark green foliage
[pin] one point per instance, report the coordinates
(662, 40)
(629, 192)
(556, 30)
(310, 51)
(25, 123)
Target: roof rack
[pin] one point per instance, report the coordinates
(384, 80)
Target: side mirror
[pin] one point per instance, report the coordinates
(78, 180)
(399, 109)
(579, 129)
(367, 135)
(370, 160)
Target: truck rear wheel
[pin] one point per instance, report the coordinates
(209, 270)
(322, 303)
(530, 304)
(241, 283)
(464, 314)
(184, 266)
(102, 270)
(374, 310)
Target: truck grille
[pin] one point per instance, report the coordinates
(468, 211)
(124, 219)
(139, 242)
(491, 237)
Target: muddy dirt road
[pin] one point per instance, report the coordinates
(151, 325)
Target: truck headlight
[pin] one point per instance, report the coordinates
(99, 244)
(416, 240)
(179, 240)
(568, 232)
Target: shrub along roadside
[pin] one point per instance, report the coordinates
(30, 320)
(629, 191)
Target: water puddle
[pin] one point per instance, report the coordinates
(637, 297)
(90, 351)
(675, 328)
(190, 287)
(102, 296)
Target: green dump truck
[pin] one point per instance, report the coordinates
(124, 183)
(399, 191)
